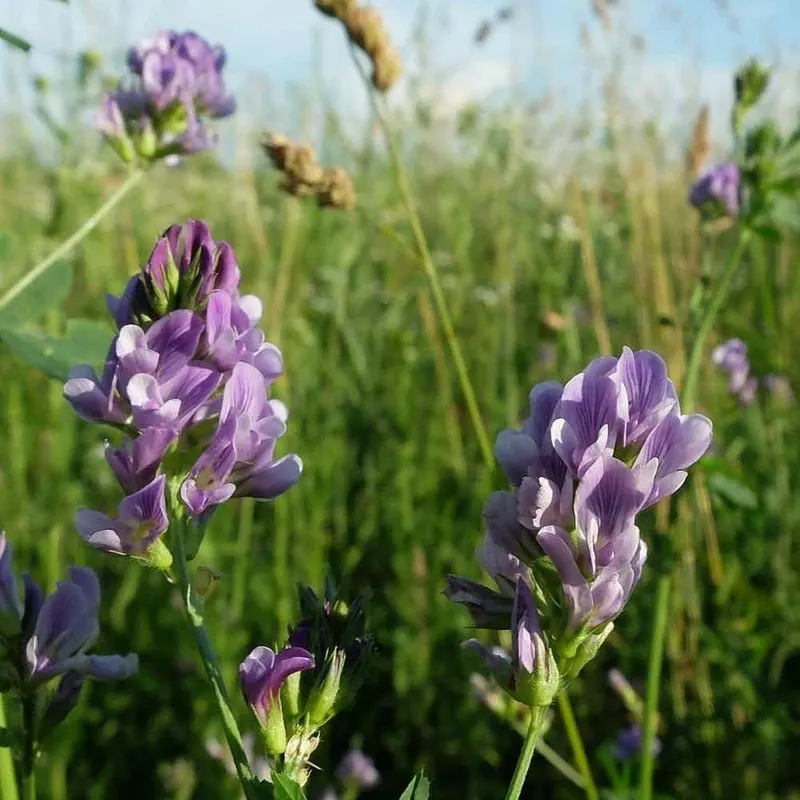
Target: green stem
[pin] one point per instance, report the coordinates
(717, 300)
(653, 687)
(205, 650)
(30, 787)
(8, 777)
(133, 178)
(578, 750)
(560, 764)
(535, 726)
(378, 106)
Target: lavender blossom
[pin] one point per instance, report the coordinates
(731, 357)
(358, 770)
(159, 110)
(263, 672)
(718, 191)
(187, 375)
(141, 519)
(589, 458)
(630, 742)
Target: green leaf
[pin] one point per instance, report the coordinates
(287, 789)
(5, 738)
(83, 342)
(418, 789)
(5, 246)
(46, 291)
(732, 490)
(15, 41)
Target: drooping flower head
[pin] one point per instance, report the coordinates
(718, 191)
(590, 457)
(159, 110)
(187, 380)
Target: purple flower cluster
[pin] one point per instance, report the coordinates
(718, 191)
(188, 372)
(358, 770)
(49, 637)
(159, 109)
(731, 357)
(590, 457)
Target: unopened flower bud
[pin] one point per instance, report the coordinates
(147, 141)
(582, 649)
(750, 84)
(323, 698)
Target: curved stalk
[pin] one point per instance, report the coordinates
(535, 726)
(67, 245)
(205, 650)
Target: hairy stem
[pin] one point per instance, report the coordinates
(379, 108)
(535, 726)
(205, 650)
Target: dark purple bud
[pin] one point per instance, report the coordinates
(718, 191)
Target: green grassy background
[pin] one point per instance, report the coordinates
(540, 278)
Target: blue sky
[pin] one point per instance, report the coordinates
(691, 48)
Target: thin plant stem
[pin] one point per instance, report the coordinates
(8, 778)
(578, 750)
(714, 306)
(205, 650)
(88, 226)
(532, 735)
(30, 787)
(380, 110)
(559, 763)
(653, 685)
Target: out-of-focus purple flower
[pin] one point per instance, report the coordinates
(159, 110)
(221, 753)
(731, 357)
(629, 744)
(66, 628)
(263, 672)
(780, 388)
(358, 770)
(141, 519)
(719, 190)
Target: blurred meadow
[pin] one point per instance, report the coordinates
(558, 234)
